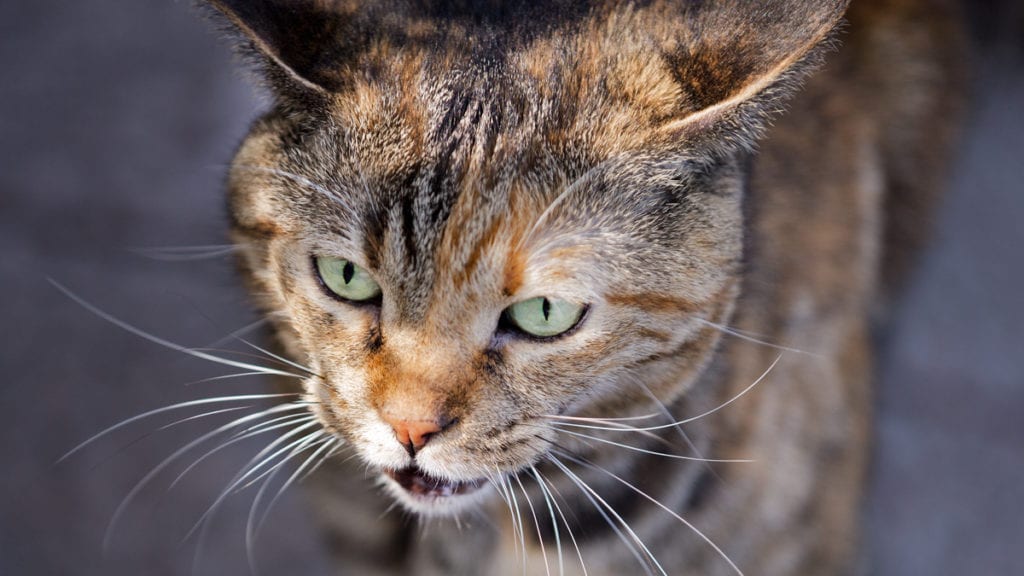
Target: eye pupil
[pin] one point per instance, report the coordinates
(347, 272)
(545, 308)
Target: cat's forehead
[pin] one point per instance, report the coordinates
(444, 163)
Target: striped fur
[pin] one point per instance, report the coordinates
(471, 155)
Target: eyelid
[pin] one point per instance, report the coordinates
(508, 326)
(374, 301)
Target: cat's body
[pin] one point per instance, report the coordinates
(474, 157)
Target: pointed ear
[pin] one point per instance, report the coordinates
(301, 45)
(738, 61)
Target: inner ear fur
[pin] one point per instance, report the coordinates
(737, 62)
(302, 46)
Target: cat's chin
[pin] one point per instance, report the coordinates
(425, 494)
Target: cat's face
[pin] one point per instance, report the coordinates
(634, 247)
(461, 248)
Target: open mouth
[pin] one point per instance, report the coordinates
(420, 485)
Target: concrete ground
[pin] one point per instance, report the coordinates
(115, 121)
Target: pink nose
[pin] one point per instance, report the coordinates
(414, 434)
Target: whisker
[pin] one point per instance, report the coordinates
(144, 415)
(269, 459)
(654, 453)
(704, 414)
(326, 444)
(223, 377)
(388, 510)
(247, 471)
(183, 249)
(499, 482)
(589, 419)
(244, 435)
(166, 343)
(237, 333)
(554, 521)
(591, 495)
(668, 416)
(519, 521)
(281, 359)
(225, 351)
(540, 537)
(565, 522)
(184, 253)
(251, 528)
(264, 353)
(138, 439)
(754, 339)
(203, 532)
(272, 421)
(338, 447)
(736, 397)
(592, 466)
(170, 459)
(614, 425)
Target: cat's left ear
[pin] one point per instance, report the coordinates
(301, 45)
(738, 61)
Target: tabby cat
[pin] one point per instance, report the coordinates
(570, 285)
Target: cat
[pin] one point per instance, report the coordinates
(570, 284)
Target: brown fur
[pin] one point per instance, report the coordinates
(472, 155)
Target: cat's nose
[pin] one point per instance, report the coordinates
(414, 434)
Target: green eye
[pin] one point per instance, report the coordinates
(346, 280)
(543, 316)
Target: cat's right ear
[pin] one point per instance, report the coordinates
(739, 61)
(300, 45)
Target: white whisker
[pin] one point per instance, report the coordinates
(252, 528)
(273, 421)
(178, 406)
(536, 524)
(754, 339)
(591, 495)
(247, 470)
(325, 445)
(543, 480)
(224, 377)
(654, 453)
(657, 503)
(338, 446)
(185, 253)
(554, 521)
(668, 416)
(589, 419)
(270, 459)
(166, 427)
(606, 426)
(499, 483)
(244, 435)
(166, 343)
(281, 359)
(236, 334)
(170, 459)
(704, 414)
(519, 522)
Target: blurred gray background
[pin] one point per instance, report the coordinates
(116, 119)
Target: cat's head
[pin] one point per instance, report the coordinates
(470, 219)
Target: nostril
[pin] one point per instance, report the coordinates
(414, 434)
